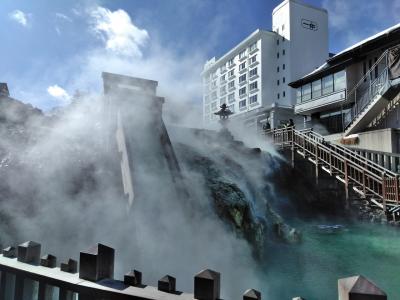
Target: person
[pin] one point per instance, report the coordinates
(290, 123)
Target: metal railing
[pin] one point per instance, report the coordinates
(370, 179)
(366, 90)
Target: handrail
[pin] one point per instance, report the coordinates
(378, 86)
(355, 154)
(375, 180)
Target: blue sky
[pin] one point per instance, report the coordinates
(49, 48)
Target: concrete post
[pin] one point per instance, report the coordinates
(207, 285)
(71, 266)
(48, 261)
(358, 287)
(167, 284)
(133, 278)
(97, 263)
(252, 295)
(29, 253)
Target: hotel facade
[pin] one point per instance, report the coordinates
(252, 78)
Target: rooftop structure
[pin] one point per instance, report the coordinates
(252, 77)
(356, 92)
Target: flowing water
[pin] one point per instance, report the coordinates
(311, 270)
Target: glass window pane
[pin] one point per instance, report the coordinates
(327, 84)
(298, 95)
(316, 88)
(306, 92)
(340, 80)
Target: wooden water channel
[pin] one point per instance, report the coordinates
(368, 179)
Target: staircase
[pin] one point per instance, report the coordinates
(370, 96)
(369, 180)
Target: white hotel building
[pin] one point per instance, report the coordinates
(252, 77)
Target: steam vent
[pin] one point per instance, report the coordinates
(139, 135)
(26, 274)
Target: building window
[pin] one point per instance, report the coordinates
(283, 52)
(231, 84)
(277, 41)
(231, 98)
(242, 54)
(222, 100)
(306, 92)
(253, 46)
(242, 78)
(376, 68)
(283, 27)
(277, 82)
(242, 104)
(231, 73)
(327, 84)
(283, 39)
(278, 95)
(232, 107)
(242, 91)
(283, 94)
(213, 105)
(277, 55)
(298, 95)
(253, 72)
(222, 69)
(277, 69)
(230, 62)
(316, 88)
(253, 86)
(214, 95)
(242, 66)
(214, 84)
(253, 99)
(283, 80)
(253, 59)
(339, 80)
(223, 77)
(223, 89)
(283, 67)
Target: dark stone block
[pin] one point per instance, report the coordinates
(71, 266)
(359, 287)
(133, 278)
(252, 295)
(97, 263)
(49, 261)
(207, 285)
(9, 252)
(167, 284)
(29, 252)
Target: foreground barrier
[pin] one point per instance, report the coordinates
(25, 275)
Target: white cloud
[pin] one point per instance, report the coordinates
(59, 93)
(63, 17)
(121, 36)
(19, 17)
(352, 21)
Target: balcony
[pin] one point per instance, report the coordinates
(242, 70)
(241, 96)
(253, 51)
(327, 101)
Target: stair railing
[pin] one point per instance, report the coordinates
(352, 168)
(362, 95)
